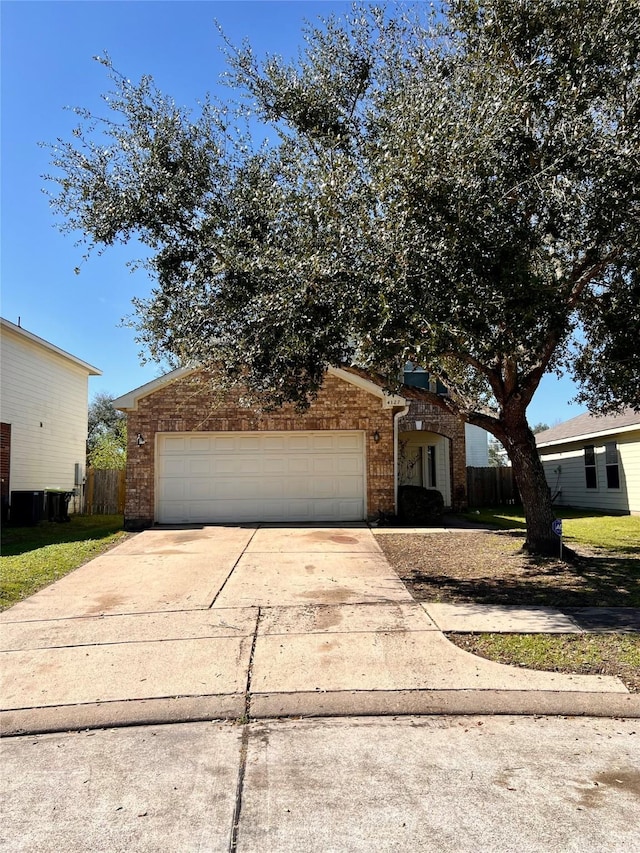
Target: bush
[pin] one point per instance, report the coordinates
(420, 505)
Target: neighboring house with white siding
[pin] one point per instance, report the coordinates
(43, 412)
(594, 462)
(477, 445)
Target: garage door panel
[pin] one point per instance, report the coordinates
(297, 442)
(349, 442)
(300, 464)
(274, 465)
(223, 444)
(233, 477)
(248, 443)
(346, 486)
(173, 466)
(233, 465)
(199, 445)
(274, 443)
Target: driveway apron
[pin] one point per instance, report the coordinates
(252, 621)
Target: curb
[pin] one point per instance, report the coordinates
(380, 703)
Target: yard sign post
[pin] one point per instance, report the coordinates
(556, 526)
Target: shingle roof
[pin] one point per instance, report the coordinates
(587, 425)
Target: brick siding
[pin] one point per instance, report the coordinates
(192, 404)
(441, 422)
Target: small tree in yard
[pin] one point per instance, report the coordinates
(497, 454)
(461, 190)
(107, 434)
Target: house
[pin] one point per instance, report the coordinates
(425, 448)
(197, 456)
(43, 409)
(594, 462)
(477, 443)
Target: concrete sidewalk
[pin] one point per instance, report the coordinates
(254, 622)
(520, 619)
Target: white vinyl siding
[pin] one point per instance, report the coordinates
(260, 476)
(477, 444)
(570, 458)
(44, 398)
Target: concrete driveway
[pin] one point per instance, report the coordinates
(252, 622)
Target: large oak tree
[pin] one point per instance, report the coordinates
(461, 190)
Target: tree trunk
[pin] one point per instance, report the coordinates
(532, 485)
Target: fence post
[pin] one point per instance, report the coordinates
(122, 479)
(91, 481)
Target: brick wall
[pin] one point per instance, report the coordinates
(441, 422)
(193, 404)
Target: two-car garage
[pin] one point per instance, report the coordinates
(301, 476)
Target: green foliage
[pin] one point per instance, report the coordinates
(107, 436)
(460, 189)
(497, 454)
(607, 364)
(420, 505)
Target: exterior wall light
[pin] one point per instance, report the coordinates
(140, 439)
(376, 436)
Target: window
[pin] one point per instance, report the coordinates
(431, 466)
(590, 466)
(611, 462)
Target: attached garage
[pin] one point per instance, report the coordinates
(200, 455)
(260, 476)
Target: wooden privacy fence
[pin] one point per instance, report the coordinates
(492, 486)
(104, 494)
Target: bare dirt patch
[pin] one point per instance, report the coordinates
(488, 567)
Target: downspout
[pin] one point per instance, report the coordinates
(396, 419)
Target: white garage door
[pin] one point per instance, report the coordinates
(268, 476)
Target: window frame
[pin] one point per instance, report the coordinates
(611, 468)
(430, 462)
(590, 467)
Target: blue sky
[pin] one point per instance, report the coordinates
(47, 50)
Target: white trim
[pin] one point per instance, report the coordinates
(589, 435)
(18, 330)
(129, 401)
(389, 401)
(396, 422)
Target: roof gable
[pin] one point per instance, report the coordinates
(589, 426)
(7, 326)
(129, 401)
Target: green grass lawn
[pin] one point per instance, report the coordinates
(586, 654)
(609, 532)
(34, 557)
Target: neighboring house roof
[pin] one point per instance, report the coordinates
(589, 426)
(128, 402)
(6, 325)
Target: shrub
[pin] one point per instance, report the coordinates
(420, 505)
